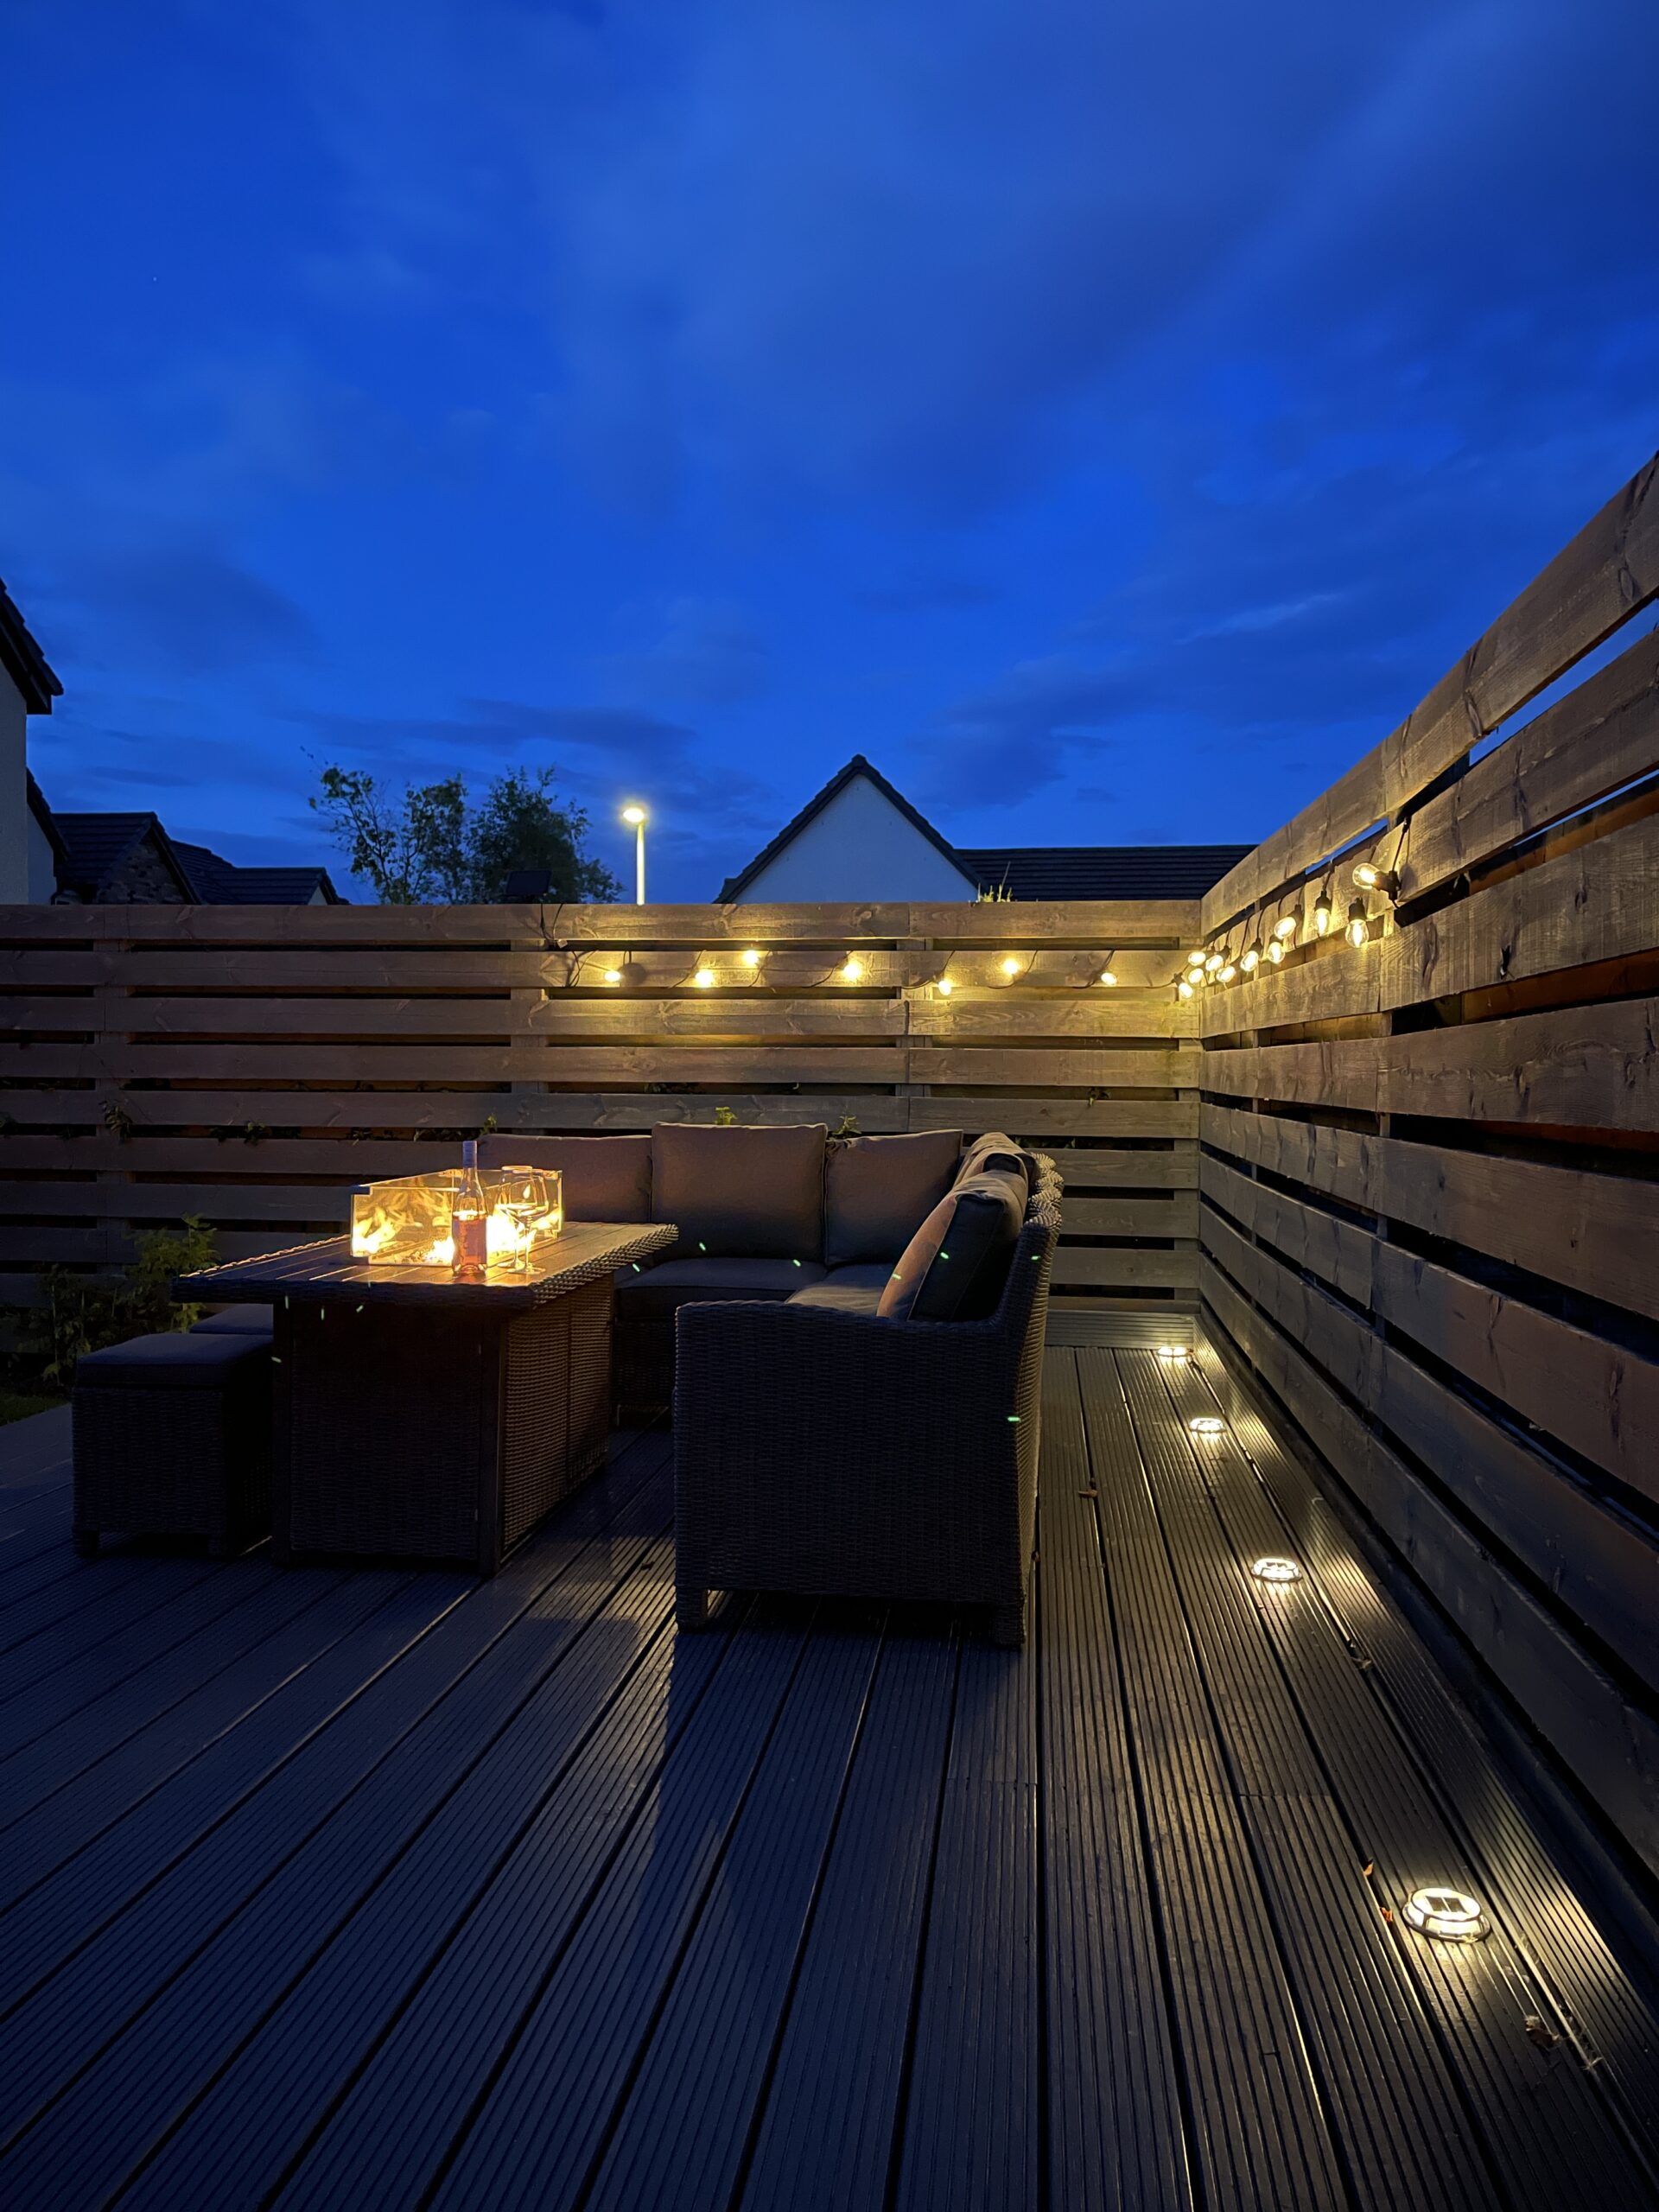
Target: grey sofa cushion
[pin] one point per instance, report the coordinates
(237, 1321)
(180, 1361)
(998, 1153)
(657, 1292)
(606, 1178)
(878, 1191)
(757, 1193)
(854, 1289)
(953, 1267)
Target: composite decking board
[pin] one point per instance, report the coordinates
(182, 1862)
(973, 2124)
(73, 1786)
(383, 2126)
(683, 2130)
(70, 1594)
(1597, 2008)
(585, 2030)
(184, 1629)
(66, 1643)
(1115, 2130)
(239, 2138)
(1397, 2117)
(1262, 2131)
(825, 2138)
(1533, 2115)
(161, 2059)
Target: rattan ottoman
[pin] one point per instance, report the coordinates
(171, 1437)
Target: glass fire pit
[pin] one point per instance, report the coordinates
(406, 1222)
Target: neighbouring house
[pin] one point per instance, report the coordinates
(27, 687)
(103, 860)
(859, 839)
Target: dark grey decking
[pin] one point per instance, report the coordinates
(368, 1888)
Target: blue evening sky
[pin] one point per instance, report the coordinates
(1110, 418)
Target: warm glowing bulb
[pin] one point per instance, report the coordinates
(1359, 927)
(1250, 958)
(1285, 927)
(1322, 914)
(1009, 965)
(945, 986)
(634, 815)
(612, 976)
(851, 968)
(1106, 976)
(1184, 989)
(751, 958)
(1276, 950)
(1227, 974)
(1212, 964)
(704, 979)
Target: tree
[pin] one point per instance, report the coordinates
(429, 848)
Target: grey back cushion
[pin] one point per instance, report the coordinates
(953, 1267)
(606, 1178)
(748, 1190)
(998, 1153)
(879, 1191)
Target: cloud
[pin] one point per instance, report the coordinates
(703, 651)
(185, 608)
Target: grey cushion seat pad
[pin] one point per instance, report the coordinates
(237, 1321)
(170, 1362)
(660, 1291)
(855, 1289)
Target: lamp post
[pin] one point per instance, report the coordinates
(636, 816)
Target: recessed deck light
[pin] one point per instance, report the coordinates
(1451, 1915)
(1275, 1570)
(1207, 1424)
(1171, 1351)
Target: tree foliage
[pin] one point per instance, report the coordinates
(430, 846)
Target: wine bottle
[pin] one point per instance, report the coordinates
(468, 1224)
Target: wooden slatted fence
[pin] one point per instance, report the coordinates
(1429, 1172)
(249, 1064)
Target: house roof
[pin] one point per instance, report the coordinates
(99, 846)
(1101, 871)
(219, 882)
(735, 886)
(23, 659)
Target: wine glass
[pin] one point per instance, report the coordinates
(521, 1196)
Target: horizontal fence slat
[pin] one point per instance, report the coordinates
(1610, 1743)
(1611, 569)
(1594, 1232)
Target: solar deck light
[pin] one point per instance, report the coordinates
(1171, 1351)
(1359, 924)
(1207, 1424)
(1275, 1571)
(1451, 1915)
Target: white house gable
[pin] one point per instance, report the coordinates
(858, 846)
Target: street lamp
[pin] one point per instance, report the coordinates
(636, 816)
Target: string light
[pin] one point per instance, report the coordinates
(946, 986)
(1276, 951)
(1212, 964)
(1369, 877)
(704, 979)
(1250, 958)
(1285, 927)
(752, 958)
(1008, 964)
(612, 975)
(1227, 973)
(1184, 988)
(1322, 912)
(1359, 924)
(1109, 974)
(852, 968)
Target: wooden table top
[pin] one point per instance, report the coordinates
(325, 1268)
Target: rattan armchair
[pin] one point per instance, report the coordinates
(836, 1454)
